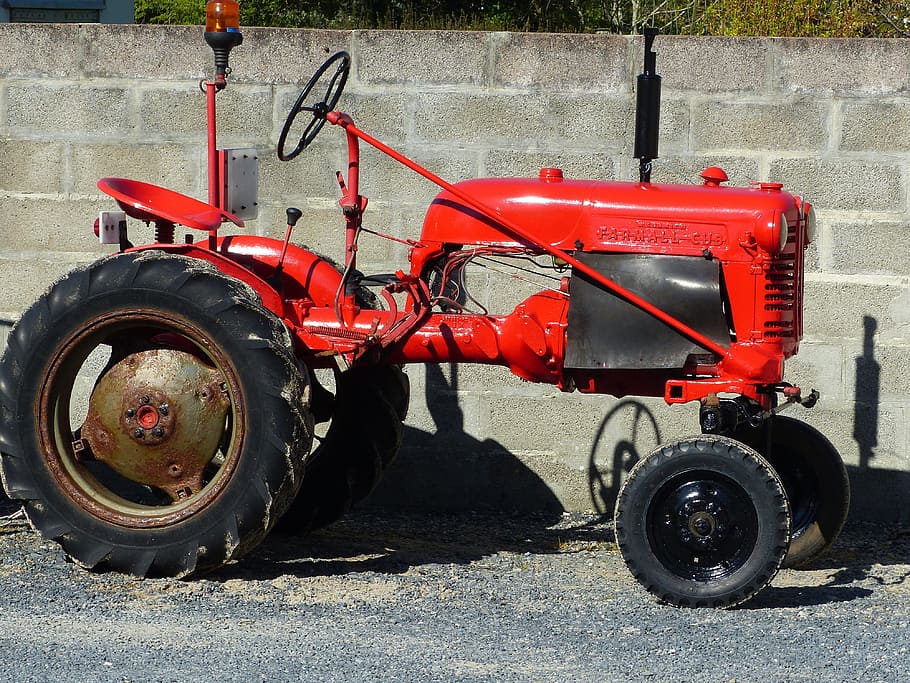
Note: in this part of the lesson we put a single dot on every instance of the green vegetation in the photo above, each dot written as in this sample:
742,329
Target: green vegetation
822,18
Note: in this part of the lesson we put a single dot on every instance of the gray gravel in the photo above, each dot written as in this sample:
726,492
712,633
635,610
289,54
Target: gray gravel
429,598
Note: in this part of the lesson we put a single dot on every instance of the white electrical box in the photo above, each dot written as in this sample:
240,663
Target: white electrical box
111,225
240,182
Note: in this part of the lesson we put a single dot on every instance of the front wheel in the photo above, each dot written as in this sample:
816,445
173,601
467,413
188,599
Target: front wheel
703,522
154,421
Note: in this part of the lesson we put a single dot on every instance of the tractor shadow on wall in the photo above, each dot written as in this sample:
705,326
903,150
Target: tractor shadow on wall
450,471
872,553
627,433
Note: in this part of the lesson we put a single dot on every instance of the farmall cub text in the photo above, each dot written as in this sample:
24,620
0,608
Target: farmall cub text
158,406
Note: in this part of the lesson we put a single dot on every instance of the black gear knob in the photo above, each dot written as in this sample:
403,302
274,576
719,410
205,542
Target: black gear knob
294,215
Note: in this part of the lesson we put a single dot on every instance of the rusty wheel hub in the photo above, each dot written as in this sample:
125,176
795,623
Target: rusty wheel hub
157,418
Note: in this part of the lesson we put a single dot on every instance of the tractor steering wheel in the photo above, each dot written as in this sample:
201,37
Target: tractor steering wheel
318,109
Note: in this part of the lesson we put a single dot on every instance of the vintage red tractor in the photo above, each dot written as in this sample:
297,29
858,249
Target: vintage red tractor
157,407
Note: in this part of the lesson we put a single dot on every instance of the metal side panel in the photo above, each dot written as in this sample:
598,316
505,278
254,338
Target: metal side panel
605,332
240,178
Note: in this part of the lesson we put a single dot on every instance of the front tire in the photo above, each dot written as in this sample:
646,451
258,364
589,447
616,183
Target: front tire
703,522
153,419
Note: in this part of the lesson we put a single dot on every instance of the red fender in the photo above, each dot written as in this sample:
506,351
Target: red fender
252,260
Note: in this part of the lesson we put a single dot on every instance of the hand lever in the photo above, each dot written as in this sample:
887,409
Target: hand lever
294,215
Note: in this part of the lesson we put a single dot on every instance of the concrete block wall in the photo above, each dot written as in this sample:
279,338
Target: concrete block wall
829,119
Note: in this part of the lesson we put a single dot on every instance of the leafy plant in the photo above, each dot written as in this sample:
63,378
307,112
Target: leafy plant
822,18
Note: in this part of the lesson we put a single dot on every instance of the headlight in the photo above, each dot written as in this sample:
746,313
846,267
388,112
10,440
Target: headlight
811,224
784,230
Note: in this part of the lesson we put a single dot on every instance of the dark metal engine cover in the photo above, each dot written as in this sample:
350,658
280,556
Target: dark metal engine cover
605,332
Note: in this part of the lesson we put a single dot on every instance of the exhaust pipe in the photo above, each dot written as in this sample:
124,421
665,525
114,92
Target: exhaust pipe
647,110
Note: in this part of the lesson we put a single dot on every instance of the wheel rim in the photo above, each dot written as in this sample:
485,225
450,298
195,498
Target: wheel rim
801,491
702,526
164,378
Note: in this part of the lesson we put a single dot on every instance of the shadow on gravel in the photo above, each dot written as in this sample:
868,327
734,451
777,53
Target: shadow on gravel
868,553
396,544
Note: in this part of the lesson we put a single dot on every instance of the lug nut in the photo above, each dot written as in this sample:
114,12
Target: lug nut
164,408
145,400
139,433
130,412
158,432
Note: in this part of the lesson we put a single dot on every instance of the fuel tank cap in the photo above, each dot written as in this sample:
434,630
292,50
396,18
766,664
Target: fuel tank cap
714,176
551,175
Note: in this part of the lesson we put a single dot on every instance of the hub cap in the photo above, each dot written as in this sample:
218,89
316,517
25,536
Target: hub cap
157,417
702,525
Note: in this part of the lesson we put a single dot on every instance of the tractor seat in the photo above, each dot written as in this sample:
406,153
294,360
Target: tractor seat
154,204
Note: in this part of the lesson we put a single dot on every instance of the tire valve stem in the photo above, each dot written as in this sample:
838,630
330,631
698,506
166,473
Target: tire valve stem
81,450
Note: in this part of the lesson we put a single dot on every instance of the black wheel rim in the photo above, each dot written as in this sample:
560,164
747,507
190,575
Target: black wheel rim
801,488
702,525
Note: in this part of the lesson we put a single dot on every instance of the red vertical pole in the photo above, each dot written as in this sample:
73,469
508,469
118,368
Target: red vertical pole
214,177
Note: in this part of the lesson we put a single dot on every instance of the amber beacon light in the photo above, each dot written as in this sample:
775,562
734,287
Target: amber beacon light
222,32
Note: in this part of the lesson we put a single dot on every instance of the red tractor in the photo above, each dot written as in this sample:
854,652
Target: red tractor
158,407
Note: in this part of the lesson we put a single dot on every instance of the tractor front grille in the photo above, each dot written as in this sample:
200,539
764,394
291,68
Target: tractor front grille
783,295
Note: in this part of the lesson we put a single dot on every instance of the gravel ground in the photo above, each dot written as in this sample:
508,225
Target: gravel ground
430,598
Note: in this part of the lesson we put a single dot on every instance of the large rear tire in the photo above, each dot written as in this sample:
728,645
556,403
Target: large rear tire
703,522
367,413
154,421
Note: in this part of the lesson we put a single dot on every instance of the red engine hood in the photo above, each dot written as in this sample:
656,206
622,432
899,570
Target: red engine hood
608,216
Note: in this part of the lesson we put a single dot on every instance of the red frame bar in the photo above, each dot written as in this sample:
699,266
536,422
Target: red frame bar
345,121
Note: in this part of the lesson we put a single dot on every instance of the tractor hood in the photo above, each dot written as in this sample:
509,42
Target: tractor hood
616,216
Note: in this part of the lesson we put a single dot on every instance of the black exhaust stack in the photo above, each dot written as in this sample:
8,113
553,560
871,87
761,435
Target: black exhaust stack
647,110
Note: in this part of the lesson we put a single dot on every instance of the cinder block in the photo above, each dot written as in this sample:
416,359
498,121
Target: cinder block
171,165
551,422
175,112
467,474
32,166
686,169
67,111
882,126
421,58
517,163
309,175
572,120
675,127
24,279
383,115
797,125
384,179
819,366
865,247
36,50
497,379
709,64
178,112
136,51
837,309
846,184
892,363
50,225
285,56
560,62
845,67
863,439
